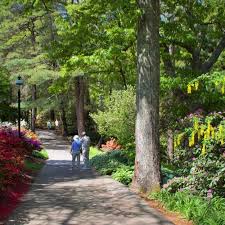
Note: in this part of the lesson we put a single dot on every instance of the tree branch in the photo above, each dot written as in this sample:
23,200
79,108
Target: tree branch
214,56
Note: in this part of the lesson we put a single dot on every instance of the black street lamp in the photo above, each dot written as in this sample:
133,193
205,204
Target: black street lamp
19,82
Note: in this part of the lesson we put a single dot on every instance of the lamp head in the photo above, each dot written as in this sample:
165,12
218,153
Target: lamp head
19,81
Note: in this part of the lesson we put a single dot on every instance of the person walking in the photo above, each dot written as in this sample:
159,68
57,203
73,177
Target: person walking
85,141
56,125
49,126
75,151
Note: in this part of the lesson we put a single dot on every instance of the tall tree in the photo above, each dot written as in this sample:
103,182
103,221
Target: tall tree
195,31
147,163
79,95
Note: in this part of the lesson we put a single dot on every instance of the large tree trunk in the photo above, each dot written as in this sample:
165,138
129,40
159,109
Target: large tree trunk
63,121
34,110
52,115
147,162
79,95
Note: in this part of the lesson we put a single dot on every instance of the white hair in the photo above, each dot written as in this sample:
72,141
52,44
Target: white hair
75,137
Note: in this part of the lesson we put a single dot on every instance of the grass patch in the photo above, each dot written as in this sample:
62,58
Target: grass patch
40,154
200,210
31,165
94,151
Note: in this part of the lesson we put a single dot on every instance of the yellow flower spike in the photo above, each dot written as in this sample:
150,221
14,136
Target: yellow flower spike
189,89
212,132
190,142
193,137
196,124
199,134
208,125
205,136
220,130
223,89
179,138
208,130
175,143
203,149
202,130
196,85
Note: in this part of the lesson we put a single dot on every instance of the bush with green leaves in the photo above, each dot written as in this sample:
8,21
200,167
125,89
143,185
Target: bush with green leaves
206,173
124,174
118,117
120,164
109,162
201,211
200,154
40,154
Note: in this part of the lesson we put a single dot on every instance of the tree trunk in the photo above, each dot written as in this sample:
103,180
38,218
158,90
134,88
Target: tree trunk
79,95
147,162
170,144
34,110
168,62
52,115
63,121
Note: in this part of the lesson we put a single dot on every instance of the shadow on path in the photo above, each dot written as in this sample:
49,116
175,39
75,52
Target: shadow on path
62,195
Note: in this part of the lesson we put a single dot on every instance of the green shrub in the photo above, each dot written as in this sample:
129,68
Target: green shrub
206,172
124,174
120,164
202,211
40,154
105,163
118,118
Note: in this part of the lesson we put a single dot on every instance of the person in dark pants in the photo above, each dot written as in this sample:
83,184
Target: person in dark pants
75,151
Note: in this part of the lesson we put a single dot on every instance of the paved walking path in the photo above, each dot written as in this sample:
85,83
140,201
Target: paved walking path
61,195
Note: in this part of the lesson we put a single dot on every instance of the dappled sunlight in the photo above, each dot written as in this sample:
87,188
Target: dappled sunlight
65,195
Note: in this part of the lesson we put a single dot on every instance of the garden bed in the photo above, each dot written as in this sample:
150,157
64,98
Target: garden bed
12,196
20,160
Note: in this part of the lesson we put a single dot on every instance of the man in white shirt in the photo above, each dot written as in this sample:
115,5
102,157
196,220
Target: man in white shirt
85,141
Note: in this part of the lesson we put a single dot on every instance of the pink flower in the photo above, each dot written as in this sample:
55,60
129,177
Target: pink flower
210,193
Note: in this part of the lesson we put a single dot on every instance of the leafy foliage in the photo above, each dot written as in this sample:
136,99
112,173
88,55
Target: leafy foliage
199,155
118,163
42,154
117,118
124,174
197,209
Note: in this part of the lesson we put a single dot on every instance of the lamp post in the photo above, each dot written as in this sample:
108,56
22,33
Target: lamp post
19,82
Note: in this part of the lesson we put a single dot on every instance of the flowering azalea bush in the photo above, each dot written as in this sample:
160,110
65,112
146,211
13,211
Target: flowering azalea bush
13,150
112,144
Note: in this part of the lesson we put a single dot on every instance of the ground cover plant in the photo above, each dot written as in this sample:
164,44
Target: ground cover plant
202,211
120,164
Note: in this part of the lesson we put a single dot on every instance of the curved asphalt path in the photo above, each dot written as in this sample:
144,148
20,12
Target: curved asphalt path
61,195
